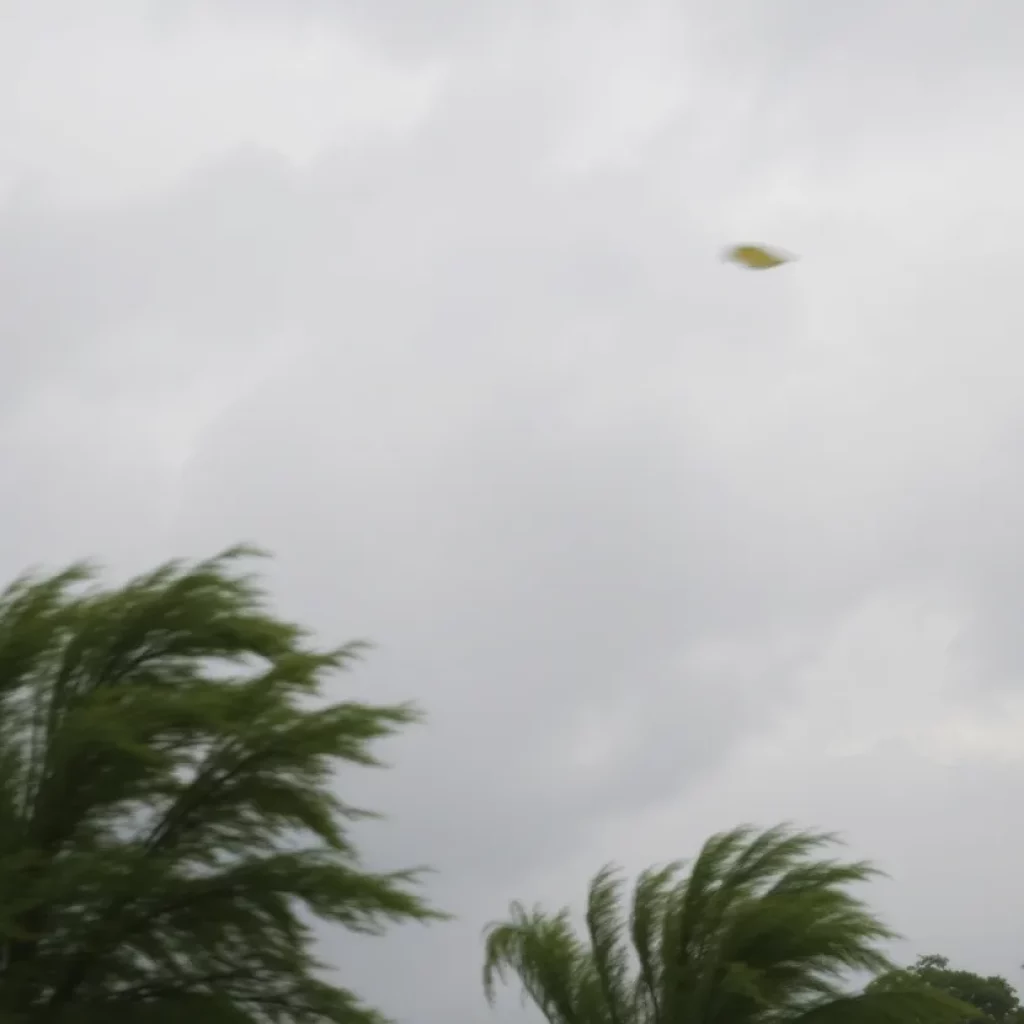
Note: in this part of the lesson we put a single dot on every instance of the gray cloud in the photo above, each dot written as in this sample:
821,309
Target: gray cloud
605,504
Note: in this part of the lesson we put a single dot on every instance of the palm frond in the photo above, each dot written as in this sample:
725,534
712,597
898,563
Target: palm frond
610,955
762,930
652,898
546,957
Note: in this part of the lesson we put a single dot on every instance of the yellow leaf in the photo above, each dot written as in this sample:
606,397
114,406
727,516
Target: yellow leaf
756,257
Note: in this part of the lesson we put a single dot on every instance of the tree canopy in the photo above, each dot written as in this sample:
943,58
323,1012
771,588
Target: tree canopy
169,829
171,833
992,999
759,931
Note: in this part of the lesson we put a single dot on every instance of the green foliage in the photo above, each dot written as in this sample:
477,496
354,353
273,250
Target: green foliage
988,999
760,931
168,826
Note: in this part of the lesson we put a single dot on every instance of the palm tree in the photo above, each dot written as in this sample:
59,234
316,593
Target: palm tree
169,825
758,932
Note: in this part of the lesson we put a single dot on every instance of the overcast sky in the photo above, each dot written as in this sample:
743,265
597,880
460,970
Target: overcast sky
426,298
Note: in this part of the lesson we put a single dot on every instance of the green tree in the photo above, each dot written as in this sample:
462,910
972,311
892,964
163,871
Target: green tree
993,999
759,931
169,831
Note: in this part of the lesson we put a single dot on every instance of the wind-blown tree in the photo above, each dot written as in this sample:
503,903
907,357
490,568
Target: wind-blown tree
169,827
760,931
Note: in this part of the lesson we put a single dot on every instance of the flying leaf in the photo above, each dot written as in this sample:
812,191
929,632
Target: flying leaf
757,257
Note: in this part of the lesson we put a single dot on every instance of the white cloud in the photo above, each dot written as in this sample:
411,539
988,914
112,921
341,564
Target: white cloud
117,103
